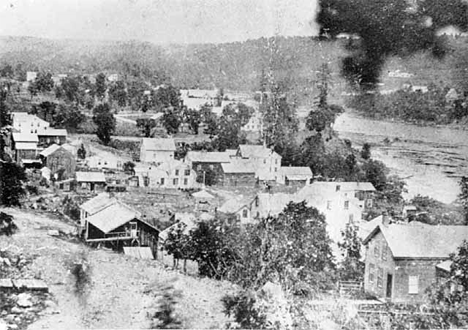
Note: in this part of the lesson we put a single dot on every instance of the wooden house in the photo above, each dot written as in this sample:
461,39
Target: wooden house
24,146
239,172
157,150
118,225
295,176
402,261
60,161
204,160
92,181
52,135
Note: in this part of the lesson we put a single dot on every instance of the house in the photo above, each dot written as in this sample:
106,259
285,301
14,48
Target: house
295,176
204,160
105,161
93,181
402,261
239,172
240,207
264,204
172,174
255,123
118,225
157,150
203,201
95,205
266,161
31,75
24,147
23,122
362,191
52,135
60,161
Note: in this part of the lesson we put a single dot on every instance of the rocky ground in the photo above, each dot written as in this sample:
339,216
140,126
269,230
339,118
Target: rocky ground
111,291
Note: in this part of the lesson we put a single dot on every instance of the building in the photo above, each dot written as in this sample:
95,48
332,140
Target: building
402,261
118,225
204,160
239,172
95,205
264,205
295,176
52,135
26,123
24,147
107,161
31,75
255,123
157,150
172,174
92,181
240,207
60,161
266,161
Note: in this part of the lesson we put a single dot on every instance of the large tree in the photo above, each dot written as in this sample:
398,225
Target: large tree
105,121
100,86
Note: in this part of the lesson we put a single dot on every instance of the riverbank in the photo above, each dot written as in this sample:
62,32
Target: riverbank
430,159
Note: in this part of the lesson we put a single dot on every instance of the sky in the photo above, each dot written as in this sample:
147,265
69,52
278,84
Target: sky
158,21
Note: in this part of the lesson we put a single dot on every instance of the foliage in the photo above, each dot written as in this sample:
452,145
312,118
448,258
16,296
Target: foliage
165,317
105,122
43,83
117,93
100,85
245,311
376,173
193,118
69,117
7,225
12,177
71,208
129,167
351,268
146,125
366,151
171,121
81,152
81,271
463,196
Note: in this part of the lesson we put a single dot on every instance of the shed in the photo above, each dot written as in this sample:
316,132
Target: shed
91,180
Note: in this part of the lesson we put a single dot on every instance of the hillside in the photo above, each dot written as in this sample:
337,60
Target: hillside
122,291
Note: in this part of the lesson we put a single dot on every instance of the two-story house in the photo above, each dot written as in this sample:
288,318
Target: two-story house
157,150
402,261
266,161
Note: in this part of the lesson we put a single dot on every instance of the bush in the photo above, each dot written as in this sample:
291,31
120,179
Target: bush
7,226
245,310
165,316
81,271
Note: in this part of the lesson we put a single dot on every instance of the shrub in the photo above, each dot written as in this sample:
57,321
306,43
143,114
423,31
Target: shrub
245,310
7,226
81,271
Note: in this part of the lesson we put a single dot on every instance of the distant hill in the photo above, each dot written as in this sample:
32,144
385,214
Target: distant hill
236,66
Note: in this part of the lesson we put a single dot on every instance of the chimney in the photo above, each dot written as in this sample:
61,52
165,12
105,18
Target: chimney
385,219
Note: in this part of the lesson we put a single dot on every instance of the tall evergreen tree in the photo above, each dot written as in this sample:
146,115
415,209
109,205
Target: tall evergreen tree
105,122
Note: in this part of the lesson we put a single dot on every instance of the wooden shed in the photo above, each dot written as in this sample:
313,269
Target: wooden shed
118,225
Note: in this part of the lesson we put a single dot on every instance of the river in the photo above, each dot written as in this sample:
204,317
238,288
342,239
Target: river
430,159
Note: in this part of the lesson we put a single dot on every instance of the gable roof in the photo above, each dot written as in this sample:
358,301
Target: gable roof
158,144
53,132
421,241
234,205
203,194
25,137
98,203
90,177
296,172
50,150
208,157
113,217
239,166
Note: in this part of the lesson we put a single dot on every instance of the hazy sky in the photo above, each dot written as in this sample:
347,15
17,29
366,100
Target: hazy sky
159,21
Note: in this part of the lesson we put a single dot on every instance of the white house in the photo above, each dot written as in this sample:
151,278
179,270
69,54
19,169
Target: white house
173,174
157,150
295,175
266,161
26,123
255,123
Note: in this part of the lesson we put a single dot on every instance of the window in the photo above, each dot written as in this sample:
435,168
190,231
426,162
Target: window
245,213
351,218
176,172
198,167
162,181
376,250
276,161
187,172
384,252
185,182
175,181
413,284
276,169
338,187
346,205
380,277
371,273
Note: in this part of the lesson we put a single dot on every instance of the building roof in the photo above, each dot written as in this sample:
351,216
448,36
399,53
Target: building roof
98,203
421,241
26,146
90,177
208,157
158,144
296,172
25,137
50,150
113,217
445,265
239,166
254,151
274,204
327,186
235,205
203,194
53,132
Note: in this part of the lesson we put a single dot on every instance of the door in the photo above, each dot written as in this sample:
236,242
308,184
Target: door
389,285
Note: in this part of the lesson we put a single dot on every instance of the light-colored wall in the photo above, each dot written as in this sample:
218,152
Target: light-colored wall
154,156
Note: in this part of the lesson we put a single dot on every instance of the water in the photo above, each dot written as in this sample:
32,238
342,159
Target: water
430,159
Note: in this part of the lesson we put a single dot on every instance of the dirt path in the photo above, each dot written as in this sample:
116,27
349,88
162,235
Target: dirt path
118,296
